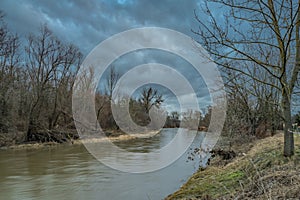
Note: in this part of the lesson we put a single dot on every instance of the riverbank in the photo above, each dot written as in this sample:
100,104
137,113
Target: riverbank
112,135
119,137
260,173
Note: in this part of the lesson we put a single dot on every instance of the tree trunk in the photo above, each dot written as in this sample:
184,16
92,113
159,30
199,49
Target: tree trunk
288,134
30,131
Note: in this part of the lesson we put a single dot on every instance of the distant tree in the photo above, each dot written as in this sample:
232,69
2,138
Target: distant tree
103,101
137,112
173,120
191,119
175,115
111,81
150,97
205,120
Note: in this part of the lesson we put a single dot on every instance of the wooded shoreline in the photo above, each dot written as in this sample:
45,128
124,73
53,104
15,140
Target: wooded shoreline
113,137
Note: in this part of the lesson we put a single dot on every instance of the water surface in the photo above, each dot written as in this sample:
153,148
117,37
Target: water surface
71,172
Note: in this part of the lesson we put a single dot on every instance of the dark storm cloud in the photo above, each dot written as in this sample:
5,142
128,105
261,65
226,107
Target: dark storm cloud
86,23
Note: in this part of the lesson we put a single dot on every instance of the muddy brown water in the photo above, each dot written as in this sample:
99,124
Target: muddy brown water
71,172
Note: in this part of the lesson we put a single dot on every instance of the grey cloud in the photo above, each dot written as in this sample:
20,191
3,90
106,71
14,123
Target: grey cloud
86,23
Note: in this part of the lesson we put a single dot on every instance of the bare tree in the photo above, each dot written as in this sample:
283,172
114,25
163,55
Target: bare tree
9,73
111,81
51,66
258,34
103,102
150,97
253,106
62,83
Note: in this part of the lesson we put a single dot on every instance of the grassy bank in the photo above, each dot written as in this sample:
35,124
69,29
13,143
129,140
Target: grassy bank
260,173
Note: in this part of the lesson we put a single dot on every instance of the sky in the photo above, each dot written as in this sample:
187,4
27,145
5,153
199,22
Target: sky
88,23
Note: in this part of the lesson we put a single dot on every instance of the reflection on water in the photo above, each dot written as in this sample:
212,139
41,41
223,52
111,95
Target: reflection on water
70,172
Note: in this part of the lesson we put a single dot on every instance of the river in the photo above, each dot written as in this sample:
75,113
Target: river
71,172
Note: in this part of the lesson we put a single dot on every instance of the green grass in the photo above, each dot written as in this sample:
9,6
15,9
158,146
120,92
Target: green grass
211,182
254,172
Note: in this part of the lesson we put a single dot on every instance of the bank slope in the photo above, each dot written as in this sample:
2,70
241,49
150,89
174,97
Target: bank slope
261,173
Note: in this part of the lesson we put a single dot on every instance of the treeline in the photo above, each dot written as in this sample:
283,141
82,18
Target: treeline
36,80
139,106
37,74
189,119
